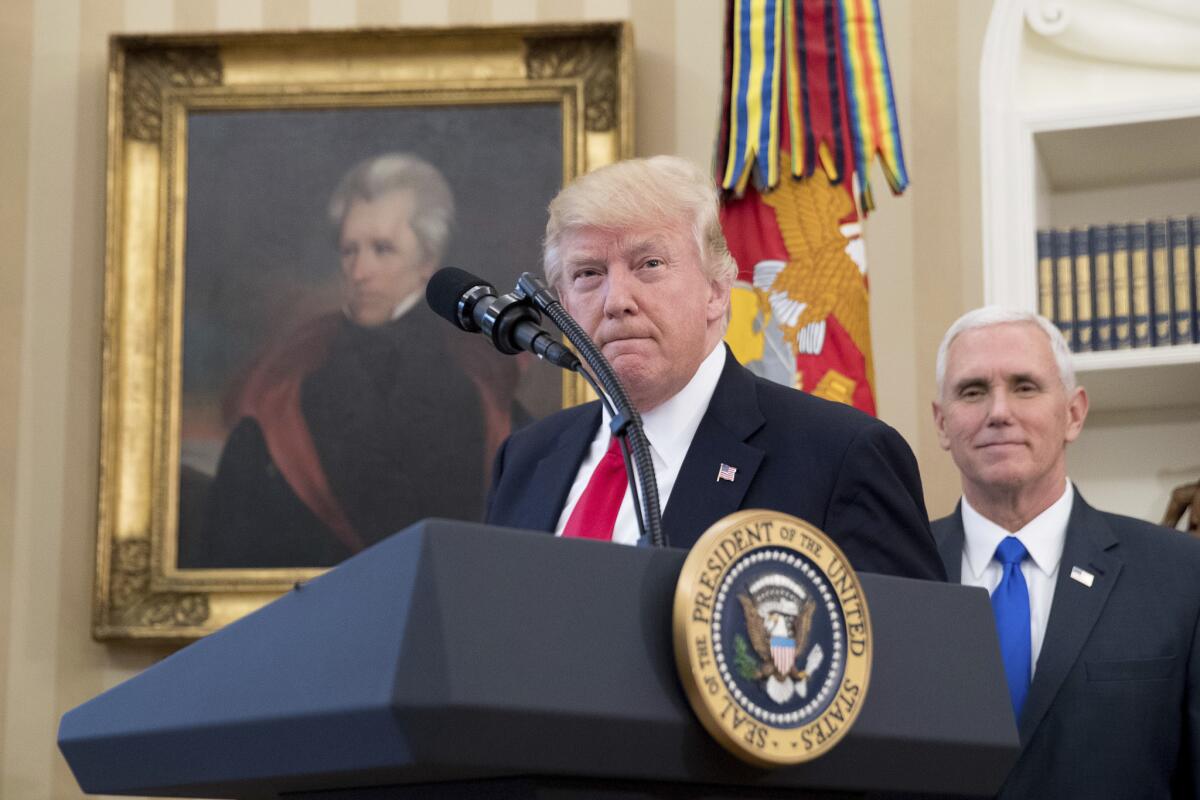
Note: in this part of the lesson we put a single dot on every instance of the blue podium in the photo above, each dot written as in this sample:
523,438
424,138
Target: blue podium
459,660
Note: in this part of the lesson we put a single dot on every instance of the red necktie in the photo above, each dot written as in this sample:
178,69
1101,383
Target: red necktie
595,514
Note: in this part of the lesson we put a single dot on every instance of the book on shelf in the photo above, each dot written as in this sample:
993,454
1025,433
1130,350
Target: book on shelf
1102,287
1045,275
1082,262
1064,286
1122,285
1160,283
1118,242
1194,238
1182,303
1139,284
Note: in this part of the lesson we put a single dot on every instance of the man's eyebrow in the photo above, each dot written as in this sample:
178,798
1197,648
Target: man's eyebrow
630,248
585,259
639,246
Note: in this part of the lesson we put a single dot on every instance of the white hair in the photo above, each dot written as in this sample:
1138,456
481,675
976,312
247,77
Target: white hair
433,211
636,193
986,317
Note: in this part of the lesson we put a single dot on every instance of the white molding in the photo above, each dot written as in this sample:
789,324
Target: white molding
1102,115
1116,31
1147,379
1008,153
1009,122
1176,355
1006,163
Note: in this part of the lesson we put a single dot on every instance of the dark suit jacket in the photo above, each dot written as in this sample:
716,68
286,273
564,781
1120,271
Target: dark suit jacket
398,431
845,472
1114,707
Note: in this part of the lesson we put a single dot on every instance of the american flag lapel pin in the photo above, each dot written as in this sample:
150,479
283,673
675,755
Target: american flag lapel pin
1082,576
726,473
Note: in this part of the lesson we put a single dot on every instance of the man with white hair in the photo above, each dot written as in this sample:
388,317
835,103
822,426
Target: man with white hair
636,253
360,422
1098,615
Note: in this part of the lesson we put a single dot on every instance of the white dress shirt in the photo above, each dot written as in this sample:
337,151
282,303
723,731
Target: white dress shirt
1043,537
669,429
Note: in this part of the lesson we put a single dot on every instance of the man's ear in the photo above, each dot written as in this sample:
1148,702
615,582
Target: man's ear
939,424
1077,408
718,300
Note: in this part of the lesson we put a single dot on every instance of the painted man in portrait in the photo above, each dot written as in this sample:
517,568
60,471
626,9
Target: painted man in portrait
361,421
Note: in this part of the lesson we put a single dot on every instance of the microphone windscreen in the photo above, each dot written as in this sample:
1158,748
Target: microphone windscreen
446,288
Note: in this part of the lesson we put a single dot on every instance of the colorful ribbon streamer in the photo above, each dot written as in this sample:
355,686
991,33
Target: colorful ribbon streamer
826,62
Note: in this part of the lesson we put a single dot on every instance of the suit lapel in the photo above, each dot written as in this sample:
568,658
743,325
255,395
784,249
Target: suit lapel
949,535
1090,544
698,498
556,470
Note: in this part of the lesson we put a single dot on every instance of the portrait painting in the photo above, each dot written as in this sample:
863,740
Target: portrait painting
279,395
396,414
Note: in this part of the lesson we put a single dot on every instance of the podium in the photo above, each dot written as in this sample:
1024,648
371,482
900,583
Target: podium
460,660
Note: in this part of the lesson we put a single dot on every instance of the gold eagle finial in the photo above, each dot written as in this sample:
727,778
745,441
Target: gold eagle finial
819,278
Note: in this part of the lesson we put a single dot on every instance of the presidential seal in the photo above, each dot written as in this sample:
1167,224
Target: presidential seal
772,638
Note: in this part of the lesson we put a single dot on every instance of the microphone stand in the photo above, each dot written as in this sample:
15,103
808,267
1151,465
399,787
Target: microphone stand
626,422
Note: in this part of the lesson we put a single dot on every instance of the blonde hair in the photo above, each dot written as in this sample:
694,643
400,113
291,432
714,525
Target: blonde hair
662,191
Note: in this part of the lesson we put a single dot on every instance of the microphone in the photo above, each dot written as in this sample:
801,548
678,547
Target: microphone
509,321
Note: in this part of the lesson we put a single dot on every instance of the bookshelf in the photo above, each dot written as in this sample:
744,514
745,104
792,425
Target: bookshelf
1072,136
1089,115
1122,164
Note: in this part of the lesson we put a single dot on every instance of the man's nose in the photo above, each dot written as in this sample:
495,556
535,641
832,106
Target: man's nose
359,266
1000,408
620,293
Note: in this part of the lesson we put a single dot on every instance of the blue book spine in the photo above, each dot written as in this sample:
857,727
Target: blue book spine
1194,242
1102,284
1081,259
1182,310
1064,286
1045,275
1160,284
1139,284
1118,244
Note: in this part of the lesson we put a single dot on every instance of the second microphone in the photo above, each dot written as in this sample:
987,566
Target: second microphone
509,321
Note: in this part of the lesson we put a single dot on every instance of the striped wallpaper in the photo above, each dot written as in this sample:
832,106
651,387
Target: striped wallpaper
52,146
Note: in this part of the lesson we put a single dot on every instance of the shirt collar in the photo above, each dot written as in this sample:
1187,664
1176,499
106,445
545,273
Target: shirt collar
1043,536
670,426
402,308
405,305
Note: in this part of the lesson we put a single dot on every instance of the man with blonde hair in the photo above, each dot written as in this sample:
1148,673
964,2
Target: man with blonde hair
1098,615
636,253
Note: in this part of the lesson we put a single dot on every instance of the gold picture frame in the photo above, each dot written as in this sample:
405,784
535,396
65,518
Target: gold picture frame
162,92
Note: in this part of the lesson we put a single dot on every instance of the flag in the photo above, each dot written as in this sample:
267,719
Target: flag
807,104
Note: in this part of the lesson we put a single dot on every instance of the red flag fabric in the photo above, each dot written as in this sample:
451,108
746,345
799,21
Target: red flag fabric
801,314
800,308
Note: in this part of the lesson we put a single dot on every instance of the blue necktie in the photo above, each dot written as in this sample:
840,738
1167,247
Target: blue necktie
1010,604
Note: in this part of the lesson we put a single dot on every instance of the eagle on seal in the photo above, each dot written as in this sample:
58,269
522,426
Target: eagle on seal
779,624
